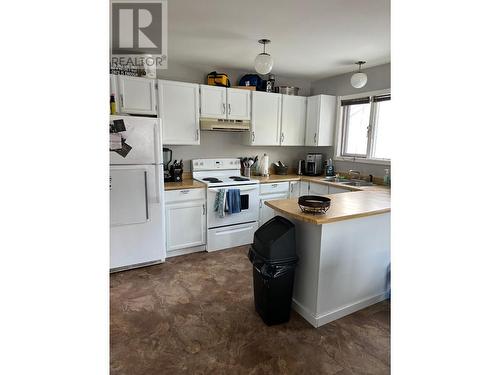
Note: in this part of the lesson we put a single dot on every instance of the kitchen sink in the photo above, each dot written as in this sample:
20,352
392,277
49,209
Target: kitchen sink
339,180
345,181
357,183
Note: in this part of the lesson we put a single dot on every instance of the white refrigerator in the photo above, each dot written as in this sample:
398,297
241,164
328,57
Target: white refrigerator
137,235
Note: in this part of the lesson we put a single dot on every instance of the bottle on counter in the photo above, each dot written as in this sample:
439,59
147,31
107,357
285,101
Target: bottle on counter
387,177
264,171
112,104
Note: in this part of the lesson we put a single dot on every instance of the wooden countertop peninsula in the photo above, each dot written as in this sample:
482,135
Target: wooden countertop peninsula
344,206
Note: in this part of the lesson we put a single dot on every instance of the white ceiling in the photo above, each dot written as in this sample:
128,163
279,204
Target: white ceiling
310,38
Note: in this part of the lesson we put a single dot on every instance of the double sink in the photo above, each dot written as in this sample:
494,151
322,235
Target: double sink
349,182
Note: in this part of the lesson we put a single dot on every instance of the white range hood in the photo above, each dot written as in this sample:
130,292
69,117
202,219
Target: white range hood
224,125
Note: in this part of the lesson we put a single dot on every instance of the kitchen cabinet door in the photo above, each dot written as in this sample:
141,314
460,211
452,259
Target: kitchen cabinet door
266,213
212,102
137,95
304,188
337,190
179,112
320,120
293,120
185,224
317,189
294,189
238,104
266,119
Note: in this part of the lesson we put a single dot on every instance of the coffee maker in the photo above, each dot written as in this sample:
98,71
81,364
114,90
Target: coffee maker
314,164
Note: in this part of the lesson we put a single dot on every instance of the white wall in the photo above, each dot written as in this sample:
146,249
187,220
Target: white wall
198,74
215,144
379,78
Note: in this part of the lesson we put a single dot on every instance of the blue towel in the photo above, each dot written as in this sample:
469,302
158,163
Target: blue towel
233,201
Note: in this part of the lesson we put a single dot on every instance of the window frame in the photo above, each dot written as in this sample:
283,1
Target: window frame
342,131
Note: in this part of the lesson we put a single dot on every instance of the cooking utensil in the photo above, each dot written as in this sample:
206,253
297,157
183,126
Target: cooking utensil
288,90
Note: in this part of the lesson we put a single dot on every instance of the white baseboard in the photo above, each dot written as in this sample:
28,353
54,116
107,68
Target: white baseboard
188,250
317,320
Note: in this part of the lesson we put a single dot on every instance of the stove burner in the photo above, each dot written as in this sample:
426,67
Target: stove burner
212,179
239,178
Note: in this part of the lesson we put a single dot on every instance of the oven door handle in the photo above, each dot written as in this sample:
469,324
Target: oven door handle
249,188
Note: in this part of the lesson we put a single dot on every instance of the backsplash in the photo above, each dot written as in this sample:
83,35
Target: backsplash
215,144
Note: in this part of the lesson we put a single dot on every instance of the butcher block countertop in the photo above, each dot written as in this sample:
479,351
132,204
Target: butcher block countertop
187,183
317,179
344,206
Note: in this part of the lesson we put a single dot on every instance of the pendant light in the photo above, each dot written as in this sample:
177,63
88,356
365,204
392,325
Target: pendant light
263,61
359,79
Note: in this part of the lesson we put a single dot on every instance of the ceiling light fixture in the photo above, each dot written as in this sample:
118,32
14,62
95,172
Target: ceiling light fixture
359,79
263,61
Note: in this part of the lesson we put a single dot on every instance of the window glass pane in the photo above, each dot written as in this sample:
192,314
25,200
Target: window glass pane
357,124
382,143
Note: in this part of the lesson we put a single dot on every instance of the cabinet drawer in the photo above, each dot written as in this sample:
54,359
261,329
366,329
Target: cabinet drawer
276,187
173,196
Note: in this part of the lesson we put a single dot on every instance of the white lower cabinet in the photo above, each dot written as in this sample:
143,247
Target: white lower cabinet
185,221
317,189
271,191
294,191
304,188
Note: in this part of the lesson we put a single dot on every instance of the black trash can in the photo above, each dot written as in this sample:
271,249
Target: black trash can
274,259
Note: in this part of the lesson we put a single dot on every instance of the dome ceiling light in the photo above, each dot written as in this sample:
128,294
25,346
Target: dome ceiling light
263,61
359,79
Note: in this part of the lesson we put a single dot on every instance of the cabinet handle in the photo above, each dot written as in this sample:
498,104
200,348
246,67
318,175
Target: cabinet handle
291,188
274,185
315,138
121,100
204,209
197,134
185,191
146,193
223,108
253,136
282,137
229,108
260,204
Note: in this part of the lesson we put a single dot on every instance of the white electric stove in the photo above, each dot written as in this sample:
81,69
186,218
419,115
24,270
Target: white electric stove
228,230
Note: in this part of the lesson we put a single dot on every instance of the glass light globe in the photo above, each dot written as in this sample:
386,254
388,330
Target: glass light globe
263,63
358,80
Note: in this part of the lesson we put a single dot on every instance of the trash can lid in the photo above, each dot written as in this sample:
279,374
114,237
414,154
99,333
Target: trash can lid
275,240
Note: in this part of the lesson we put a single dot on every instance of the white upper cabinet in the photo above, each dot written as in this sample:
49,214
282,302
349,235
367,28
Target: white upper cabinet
238,104
321,110
224,103
179,112
213,101
136,95
293,120
266,119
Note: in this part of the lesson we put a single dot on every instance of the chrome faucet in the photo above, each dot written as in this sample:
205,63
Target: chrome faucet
352,171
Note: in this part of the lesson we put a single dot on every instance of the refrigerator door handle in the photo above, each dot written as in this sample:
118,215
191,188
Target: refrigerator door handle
146,194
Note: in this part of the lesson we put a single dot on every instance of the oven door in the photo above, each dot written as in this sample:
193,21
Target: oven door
249,206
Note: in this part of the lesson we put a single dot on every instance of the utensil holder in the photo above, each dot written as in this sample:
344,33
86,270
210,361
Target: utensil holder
246,172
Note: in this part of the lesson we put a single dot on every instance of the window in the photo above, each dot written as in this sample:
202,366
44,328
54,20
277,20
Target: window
366,127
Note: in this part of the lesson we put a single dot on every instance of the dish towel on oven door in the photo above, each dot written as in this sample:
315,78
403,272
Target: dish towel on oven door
220,202
233,201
